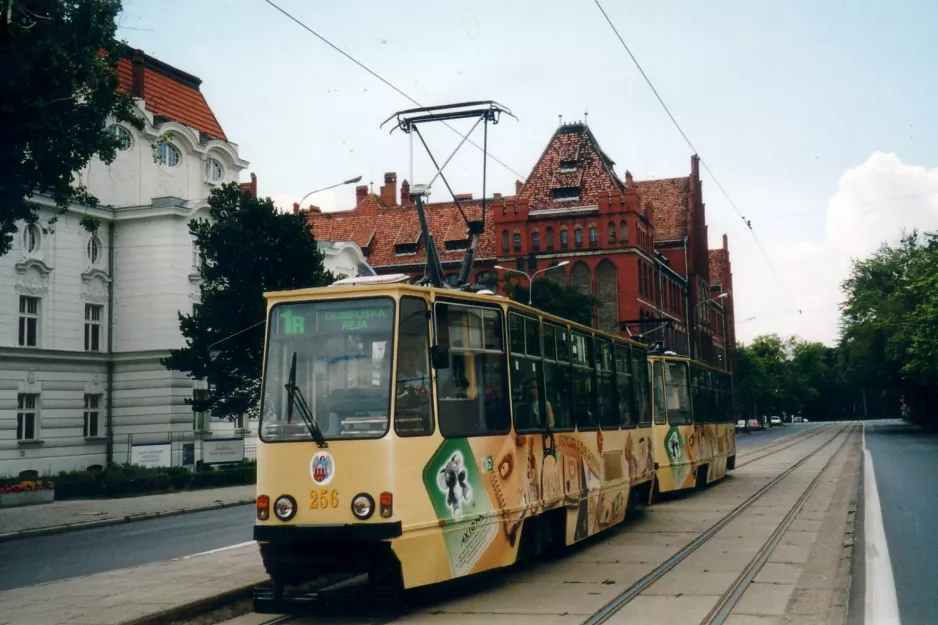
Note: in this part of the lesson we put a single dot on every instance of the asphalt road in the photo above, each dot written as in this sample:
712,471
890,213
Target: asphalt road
903,459
31,561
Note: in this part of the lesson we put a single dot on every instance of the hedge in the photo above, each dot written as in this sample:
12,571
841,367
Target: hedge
129,480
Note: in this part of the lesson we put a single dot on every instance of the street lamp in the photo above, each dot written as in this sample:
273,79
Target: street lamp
530,277
333,186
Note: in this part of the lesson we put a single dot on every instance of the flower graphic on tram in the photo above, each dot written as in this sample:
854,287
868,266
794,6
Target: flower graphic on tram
451,477
674,446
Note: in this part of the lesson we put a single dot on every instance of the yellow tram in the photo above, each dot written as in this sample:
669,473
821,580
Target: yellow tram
694,430
421,434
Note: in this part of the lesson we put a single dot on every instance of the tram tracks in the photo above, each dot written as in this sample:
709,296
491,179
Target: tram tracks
724,607
792,440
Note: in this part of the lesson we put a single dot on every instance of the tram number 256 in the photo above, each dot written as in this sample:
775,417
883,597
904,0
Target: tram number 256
323,498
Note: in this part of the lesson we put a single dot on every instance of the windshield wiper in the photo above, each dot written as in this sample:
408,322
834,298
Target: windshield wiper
295,399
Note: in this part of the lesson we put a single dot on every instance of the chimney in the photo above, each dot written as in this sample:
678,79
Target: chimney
250,187
389,190
694,166
518,185
726,245
361,192
296,208
496,196
138,61
313,209
628,179
463,197
650,213
405,193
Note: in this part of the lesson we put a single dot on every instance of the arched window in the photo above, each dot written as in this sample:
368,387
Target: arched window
168,154
550,238
122,135
564,239
594,240
612,233
517,241
535,240
578,237
504,240
32,238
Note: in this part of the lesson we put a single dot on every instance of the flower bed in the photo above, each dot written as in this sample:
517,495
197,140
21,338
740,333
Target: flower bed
26,494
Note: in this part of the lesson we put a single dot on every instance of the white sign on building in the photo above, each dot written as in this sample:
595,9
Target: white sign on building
218,451
151,454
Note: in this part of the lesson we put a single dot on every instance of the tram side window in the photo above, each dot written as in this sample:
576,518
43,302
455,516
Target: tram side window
698,395
678,395
557,383
642,386
527,388
660,409
412,416
584,389
472,391
625,391
608,401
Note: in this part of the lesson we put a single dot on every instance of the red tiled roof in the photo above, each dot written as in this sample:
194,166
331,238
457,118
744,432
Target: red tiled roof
669,198
166,93
593,176
378,228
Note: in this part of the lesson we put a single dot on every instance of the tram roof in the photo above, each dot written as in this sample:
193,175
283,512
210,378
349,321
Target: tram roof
364,290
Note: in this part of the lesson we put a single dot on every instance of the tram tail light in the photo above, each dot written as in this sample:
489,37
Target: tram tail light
263,507
387,505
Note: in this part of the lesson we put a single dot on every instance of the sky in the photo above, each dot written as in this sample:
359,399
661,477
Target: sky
817,118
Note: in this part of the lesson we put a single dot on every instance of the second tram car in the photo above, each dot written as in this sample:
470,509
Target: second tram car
694,431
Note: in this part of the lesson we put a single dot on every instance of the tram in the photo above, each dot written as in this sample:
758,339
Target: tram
694,428
420,434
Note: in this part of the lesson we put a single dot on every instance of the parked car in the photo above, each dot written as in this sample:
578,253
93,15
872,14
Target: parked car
742,426
798,419
775,420
755,424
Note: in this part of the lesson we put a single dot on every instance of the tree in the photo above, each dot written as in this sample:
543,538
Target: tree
57,89
556,299
246,249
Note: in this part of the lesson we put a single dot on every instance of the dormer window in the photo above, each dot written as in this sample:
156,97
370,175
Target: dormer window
405,249
566,194
213,170
168,155
455,246
567,166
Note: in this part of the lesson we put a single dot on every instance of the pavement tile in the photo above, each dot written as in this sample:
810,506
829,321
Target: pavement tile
798,539
803,525
811,601
462,618
693,583
764,599
752,619
554,598
620,574
778,573
793,554
664,610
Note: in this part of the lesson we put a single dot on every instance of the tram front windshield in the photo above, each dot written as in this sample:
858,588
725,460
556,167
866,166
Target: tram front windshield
343,369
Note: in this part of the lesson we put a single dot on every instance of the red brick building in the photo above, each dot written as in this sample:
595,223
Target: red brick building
640,247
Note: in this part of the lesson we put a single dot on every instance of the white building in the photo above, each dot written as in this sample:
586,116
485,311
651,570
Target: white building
85,319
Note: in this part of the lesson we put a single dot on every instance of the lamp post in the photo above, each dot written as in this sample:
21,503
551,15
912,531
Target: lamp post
333,186
530,277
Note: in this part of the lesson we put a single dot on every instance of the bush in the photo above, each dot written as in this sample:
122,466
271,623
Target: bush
128,480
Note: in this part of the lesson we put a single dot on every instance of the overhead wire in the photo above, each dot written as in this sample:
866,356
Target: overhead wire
385,81
702,161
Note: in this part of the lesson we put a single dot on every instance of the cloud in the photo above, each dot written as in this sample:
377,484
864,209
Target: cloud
325,200
874,203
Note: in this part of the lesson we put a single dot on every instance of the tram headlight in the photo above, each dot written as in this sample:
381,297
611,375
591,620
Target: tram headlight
363,506
285,507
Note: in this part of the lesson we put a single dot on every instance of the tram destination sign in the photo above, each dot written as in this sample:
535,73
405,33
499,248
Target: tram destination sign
313,319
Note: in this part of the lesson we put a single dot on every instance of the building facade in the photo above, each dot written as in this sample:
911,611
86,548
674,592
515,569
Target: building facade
85,318
640,247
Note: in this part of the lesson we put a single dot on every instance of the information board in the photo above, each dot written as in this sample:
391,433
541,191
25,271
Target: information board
221,450
151,454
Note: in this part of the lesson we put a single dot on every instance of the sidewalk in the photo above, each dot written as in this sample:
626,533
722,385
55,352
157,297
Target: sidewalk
143,595
64,516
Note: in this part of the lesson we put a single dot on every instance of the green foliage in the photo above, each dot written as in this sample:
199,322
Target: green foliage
556,299
890,323
247,249
129,480
56,92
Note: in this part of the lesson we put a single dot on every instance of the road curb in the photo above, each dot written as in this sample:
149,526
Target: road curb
197,607
143,516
